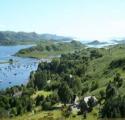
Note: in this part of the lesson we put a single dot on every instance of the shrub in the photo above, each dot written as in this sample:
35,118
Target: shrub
117,63
46,105
94,85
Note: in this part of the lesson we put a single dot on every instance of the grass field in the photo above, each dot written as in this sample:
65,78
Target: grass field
52,115
44,93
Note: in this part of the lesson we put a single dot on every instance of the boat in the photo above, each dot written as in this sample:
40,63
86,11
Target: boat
9,82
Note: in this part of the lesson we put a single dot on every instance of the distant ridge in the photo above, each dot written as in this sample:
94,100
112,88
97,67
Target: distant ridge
96,42
10,35
119,41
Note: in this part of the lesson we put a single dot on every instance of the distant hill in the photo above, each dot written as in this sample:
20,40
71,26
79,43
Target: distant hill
7,37
119,41
96,42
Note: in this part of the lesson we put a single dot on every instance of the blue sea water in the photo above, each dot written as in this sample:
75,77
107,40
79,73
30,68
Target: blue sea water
18,72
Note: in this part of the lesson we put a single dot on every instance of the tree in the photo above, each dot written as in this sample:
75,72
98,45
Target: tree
118,80
66,111
55,64
94,85
29,105
46,105
95,54
19,109
3,113
83,107
114,105
91,103
40,79
65,93
102,95
48,48
39,100
110,90
13,111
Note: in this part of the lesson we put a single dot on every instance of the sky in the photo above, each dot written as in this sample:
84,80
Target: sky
84,19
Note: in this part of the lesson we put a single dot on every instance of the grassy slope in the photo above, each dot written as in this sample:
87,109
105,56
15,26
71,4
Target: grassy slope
56,114
49,115
102,64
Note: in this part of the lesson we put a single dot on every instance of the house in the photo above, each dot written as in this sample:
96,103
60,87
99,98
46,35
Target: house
86,99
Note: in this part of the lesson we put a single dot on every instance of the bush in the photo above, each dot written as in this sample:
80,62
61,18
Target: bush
53,98
3,113
102,94
95,54
13,112
66,111
46,105
85,89
39,100
94,85
117,63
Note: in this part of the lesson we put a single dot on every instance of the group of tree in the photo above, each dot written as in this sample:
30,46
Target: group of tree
65,75
114,105
15,101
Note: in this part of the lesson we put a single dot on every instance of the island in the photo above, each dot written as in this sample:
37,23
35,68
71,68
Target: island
48,49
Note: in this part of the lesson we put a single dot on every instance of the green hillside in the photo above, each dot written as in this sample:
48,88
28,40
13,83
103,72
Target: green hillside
49,94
